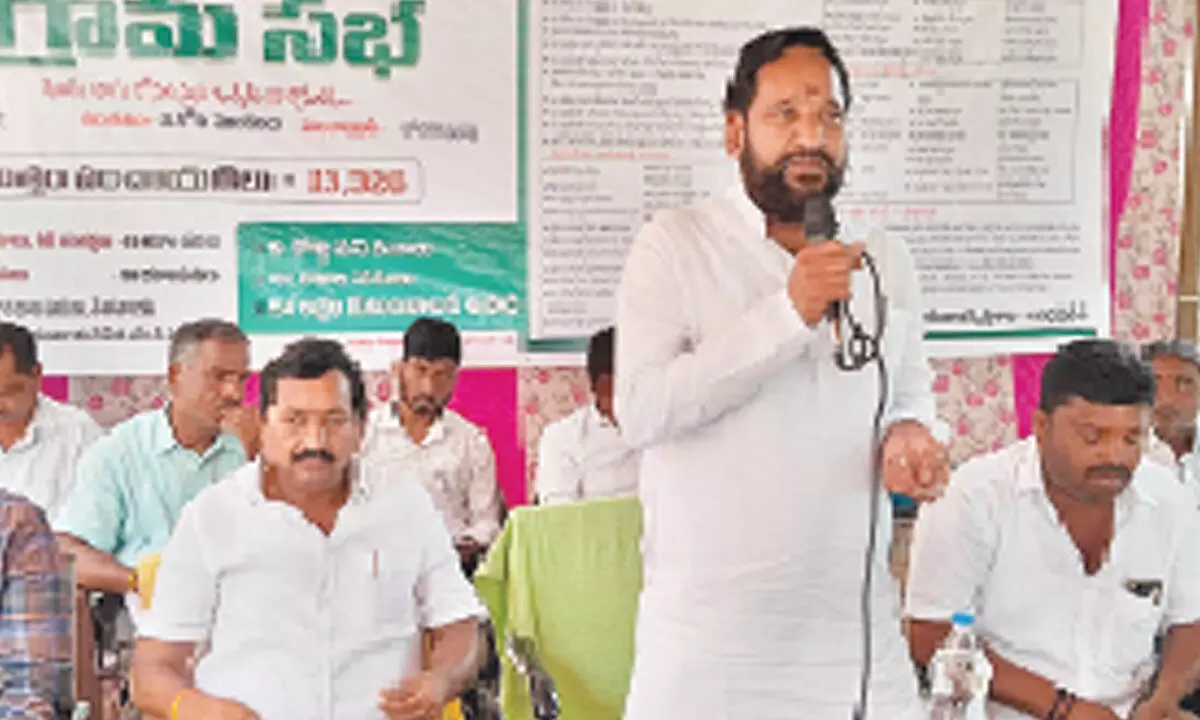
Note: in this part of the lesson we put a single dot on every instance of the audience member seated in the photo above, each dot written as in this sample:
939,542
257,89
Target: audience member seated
1176,366
1071,552
582,456
40,439
35,616
243,423
132,483
419,434
316,584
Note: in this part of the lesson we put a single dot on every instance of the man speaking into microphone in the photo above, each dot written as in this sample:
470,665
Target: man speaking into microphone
759,449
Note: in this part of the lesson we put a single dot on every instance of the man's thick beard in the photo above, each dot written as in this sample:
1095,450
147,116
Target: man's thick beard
769,190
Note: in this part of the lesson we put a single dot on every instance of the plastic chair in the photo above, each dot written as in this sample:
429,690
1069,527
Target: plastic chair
79,705
561,584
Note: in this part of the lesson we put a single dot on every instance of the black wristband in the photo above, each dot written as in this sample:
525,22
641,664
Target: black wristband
1064,702
1068,707
1060,699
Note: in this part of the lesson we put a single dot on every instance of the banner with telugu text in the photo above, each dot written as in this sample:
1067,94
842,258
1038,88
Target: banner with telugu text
301,167
343,166
975,134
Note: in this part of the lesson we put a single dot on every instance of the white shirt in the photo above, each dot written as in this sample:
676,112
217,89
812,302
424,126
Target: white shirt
305,626
583,457
994,544
454,462
41,465
755,475
1186,468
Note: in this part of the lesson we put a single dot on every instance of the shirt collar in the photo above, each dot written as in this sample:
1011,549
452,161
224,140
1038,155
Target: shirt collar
746,208
1030,480
436,434
437,431
771,253
37,422
163,440
595,416
162,436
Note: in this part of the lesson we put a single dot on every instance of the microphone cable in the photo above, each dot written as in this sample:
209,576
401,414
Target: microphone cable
859,350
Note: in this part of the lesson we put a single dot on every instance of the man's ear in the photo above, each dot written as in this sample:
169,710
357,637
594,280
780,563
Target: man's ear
173,375
735,133
1041,424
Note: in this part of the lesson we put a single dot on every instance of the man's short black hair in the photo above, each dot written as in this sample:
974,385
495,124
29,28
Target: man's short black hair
17,339
1182,349
309,359
600,354
433,339
1104,372
769,47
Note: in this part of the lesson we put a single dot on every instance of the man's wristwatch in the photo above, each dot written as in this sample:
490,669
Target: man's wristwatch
133,581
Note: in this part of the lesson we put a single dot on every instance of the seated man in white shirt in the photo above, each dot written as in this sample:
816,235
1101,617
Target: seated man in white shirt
583,456
1072,553
420,435
40,439
1176,366
317,585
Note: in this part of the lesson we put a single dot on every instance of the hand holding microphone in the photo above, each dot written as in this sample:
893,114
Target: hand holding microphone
819,284
820,277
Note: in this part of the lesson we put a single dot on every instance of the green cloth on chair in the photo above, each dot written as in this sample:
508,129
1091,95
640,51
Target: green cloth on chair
568,578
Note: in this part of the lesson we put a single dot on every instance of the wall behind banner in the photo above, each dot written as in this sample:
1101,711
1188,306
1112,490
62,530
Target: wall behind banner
986,400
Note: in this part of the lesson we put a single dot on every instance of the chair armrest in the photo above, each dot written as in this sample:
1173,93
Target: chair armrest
542,691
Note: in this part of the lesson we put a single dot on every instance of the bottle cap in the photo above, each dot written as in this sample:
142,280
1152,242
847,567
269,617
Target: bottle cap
963,619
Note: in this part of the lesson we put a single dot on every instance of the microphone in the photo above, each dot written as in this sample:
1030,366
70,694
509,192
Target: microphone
821,225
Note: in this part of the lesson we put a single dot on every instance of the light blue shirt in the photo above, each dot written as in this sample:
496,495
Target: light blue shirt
131,485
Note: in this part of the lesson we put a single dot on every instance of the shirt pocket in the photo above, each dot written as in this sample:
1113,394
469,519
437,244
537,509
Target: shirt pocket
1130,630
393,581
441,480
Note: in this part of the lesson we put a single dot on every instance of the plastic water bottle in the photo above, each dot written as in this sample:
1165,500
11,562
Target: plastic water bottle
960,674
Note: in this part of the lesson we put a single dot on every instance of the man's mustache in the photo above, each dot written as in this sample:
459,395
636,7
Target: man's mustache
313,455
827,163
1100,471
424,405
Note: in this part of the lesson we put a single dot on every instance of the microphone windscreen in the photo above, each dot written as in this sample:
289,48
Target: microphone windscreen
820,220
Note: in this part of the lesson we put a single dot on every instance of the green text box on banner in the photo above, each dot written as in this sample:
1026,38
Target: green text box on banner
301,278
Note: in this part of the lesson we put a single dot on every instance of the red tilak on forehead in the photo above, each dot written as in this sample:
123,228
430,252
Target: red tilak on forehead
835,89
